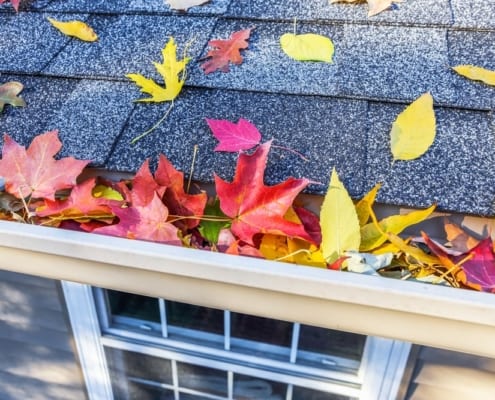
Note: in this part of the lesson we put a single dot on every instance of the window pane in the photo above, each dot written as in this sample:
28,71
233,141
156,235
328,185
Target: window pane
133,306
207,380
301,393
260,329
135,365
194,317
251,388
139,391
331,342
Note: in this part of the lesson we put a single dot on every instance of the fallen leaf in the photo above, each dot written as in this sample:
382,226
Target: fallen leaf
339,221
476,73
412,251
184,5
307,47
364,205
413,132
77,29
227,51
234,137
34,172
254,207
480,268
373,237
209,227
374,6
15,3
172,72
9,95
458,238
365,263
238,249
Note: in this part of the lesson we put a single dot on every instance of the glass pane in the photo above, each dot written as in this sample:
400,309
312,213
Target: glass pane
331,342
203,379
251,388
301,393
133,306
194,317
135,365
260,329
139,391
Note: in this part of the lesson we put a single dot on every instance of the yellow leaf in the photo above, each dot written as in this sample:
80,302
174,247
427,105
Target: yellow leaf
76,29
339,221
307,47
372,237
363,206
273,247
476,73
413,132
305,253
105,192
412,251
172,71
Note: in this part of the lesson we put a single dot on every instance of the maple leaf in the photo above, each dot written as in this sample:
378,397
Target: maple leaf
9,95
143,222
144,186
225,51
15,3
81,205
254,207
172,72
184,5
175,198
34,172
234,137
480,268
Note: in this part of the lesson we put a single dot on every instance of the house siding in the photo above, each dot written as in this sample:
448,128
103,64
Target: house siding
441,374
37,357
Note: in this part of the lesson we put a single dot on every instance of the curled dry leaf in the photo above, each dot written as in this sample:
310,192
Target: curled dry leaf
9,94
77,29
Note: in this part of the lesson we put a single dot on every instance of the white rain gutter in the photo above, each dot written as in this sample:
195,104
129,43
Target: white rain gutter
437,316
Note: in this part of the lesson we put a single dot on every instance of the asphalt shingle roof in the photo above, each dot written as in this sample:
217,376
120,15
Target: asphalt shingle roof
336,114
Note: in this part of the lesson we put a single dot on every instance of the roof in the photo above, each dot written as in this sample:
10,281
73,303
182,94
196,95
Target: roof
337,114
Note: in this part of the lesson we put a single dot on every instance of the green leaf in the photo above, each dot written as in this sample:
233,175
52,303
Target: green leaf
413,132
307,47
372,237
339,221
210,230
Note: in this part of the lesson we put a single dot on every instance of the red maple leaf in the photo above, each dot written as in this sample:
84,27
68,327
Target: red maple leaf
143,222
480,268
144,186
34,172
225,51
80,205
15,3
234,137
254,207
175,198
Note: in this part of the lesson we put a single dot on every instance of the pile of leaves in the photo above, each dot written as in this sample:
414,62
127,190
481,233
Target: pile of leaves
245,217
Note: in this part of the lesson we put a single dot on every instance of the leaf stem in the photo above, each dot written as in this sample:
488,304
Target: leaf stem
133,141
291,151
195,152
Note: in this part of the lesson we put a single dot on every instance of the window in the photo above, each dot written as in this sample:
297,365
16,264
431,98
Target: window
160,349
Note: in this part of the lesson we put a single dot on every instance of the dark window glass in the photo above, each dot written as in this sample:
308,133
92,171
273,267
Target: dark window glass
139,391
134,306
261,329
194,317
203,379
331,342
251,388
300,393
137,365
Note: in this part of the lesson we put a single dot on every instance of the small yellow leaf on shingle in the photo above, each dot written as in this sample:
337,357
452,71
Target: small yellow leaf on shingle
307,47
77,29
476,73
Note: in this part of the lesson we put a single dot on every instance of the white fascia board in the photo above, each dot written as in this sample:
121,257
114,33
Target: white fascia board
427,314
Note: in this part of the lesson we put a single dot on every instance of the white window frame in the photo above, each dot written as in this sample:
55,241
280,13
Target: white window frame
380,374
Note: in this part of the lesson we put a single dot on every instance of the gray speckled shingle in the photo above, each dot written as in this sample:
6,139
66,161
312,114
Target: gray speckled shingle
314,126
28,42
92,117
456,172
475,48
212,7
128,44
383,62
474,13
44,98
101,6
418,12
266,67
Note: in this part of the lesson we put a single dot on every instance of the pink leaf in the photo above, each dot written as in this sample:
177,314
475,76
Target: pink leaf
480,269
234,137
